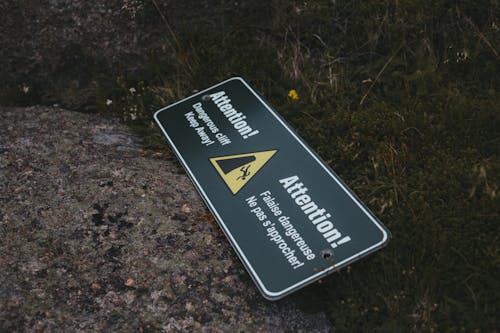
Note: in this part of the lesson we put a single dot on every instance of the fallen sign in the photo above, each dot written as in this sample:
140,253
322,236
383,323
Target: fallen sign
289,217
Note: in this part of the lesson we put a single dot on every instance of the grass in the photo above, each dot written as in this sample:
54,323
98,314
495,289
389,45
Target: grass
400,98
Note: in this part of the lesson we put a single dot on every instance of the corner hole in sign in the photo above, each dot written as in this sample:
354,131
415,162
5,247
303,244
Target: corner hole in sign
327,254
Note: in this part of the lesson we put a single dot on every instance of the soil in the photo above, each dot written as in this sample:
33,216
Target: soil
64,51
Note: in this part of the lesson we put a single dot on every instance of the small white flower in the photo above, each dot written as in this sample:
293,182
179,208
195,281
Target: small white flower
109,102
25,89
462,56
132,90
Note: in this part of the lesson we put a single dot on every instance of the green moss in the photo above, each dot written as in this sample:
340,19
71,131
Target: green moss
19,95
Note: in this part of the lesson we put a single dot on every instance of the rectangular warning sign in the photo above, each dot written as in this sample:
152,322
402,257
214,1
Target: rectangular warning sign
289,217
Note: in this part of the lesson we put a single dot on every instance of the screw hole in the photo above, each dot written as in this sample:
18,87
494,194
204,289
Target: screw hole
327,254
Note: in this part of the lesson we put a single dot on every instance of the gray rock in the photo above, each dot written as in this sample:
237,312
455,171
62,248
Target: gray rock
91,239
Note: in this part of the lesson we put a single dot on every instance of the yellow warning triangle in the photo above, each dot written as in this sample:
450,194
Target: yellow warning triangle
237,170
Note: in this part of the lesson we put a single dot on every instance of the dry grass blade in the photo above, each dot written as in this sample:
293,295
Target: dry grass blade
378,75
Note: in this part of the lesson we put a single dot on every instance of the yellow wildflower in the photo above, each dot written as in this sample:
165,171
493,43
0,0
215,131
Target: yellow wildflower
293,94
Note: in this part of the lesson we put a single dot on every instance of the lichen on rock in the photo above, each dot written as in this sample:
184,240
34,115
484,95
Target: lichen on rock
91,238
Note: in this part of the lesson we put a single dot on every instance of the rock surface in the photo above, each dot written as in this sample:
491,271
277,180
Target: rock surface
95,236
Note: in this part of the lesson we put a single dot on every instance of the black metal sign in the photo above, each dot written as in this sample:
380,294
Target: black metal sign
289,217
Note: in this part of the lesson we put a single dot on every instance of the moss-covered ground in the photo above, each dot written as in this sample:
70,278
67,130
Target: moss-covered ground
401,98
